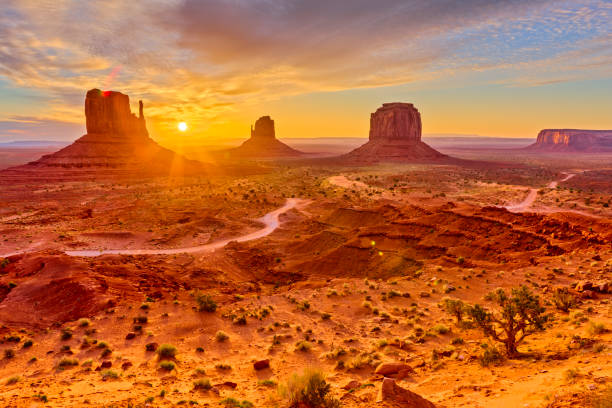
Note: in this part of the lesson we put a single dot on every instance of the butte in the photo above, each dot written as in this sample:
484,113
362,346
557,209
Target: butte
263,143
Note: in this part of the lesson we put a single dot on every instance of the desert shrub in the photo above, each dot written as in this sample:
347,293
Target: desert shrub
84,323
9,353
205,303
13,380
28,343
221,336
456,308
303,346
66,333
202,384
490,355
167,365
563,300
303,306
166,351
440,329
68,362
596,328
325,316
223,367
234,403
141,319
308,389
571,375
240,320
521,315
267,383
109,374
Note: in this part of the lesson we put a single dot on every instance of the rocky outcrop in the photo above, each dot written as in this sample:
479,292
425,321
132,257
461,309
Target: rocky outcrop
395,135
573,140
115,139
263,143
392,393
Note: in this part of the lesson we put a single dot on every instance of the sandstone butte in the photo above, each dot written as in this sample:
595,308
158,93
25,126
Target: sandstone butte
115,139
573,140
395,135
263,142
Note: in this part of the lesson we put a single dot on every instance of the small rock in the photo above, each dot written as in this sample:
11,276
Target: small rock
126,365
387,369
106,364
152,346
130,336
261,364
352,385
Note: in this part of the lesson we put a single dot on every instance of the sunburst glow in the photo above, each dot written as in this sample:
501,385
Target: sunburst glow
182,126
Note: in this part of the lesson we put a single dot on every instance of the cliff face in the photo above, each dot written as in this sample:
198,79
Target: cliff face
109,112
264,128
263,142
573,140
395,135
396,121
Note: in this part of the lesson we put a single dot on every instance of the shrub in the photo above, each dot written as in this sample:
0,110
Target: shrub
521,315
234,403
221,336
490,355
456,308
571,375
9,353
84,323
267,383
68,362
325,316
303,346
66,333
202,384
308,389
166,351
563,300
109,374
13,380
205,303
167,365
28,343
596,328
440,329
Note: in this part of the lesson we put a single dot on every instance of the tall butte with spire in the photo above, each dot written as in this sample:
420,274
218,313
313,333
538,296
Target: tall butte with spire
115,139
263,142
395,135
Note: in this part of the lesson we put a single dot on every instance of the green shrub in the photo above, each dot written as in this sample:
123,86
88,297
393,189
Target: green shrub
308,389
596,328
109,375
234,403
68,362
303,346
221,336
66,333
167,365
205,303
9,353
202,384
28,343
13,380
166,351
563,300
490,355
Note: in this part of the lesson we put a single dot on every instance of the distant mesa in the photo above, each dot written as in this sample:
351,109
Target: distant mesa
263,142
115,139
573,140
395,135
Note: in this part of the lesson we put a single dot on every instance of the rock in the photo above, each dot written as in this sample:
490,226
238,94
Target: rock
395,135
261,364
391,392
130,336
126,365
116,138
351,385
106,364
263,142
581,286
568,140
387,369
152,346
588,294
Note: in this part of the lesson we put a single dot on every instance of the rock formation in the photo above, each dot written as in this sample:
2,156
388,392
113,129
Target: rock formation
392,393
115,139
395,135
573,140
263,142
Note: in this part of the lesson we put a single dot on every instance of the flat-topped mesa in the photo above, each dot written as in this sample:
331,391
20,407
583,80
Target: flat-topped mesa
395,135
264,128
109,112
573,140
396,121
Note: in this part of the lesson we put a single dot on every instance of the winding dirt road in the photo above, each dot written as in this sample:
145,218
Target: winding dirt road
533,194
270,220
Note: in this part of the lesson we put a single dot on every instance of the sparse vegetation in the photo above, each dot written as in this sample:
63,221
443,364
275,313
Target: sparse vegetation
166,351
221,336
308,389
205,303
202,384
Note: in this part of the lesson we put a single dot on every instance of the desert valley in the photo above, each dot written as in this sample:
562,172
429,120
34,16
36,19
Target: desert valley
306,204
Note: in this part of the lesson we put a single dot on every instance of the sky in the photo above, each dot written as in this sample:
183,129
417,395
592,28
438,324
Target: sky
318,67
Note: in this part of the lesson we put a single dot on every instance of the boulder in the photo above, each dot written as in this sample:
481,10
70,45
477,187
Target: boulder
106,364
261,364
393,393
388,369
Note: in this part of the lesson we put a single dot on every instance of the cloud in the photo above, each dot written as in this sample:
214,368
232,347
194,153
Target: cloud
208,58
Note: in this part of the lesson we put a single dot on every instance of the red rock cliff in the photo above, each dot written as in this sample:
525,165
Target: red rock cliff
109,113
396,121
573,140
264,128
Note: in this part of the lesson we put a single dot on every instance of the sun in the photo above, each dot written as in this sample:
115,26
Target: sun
182,126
